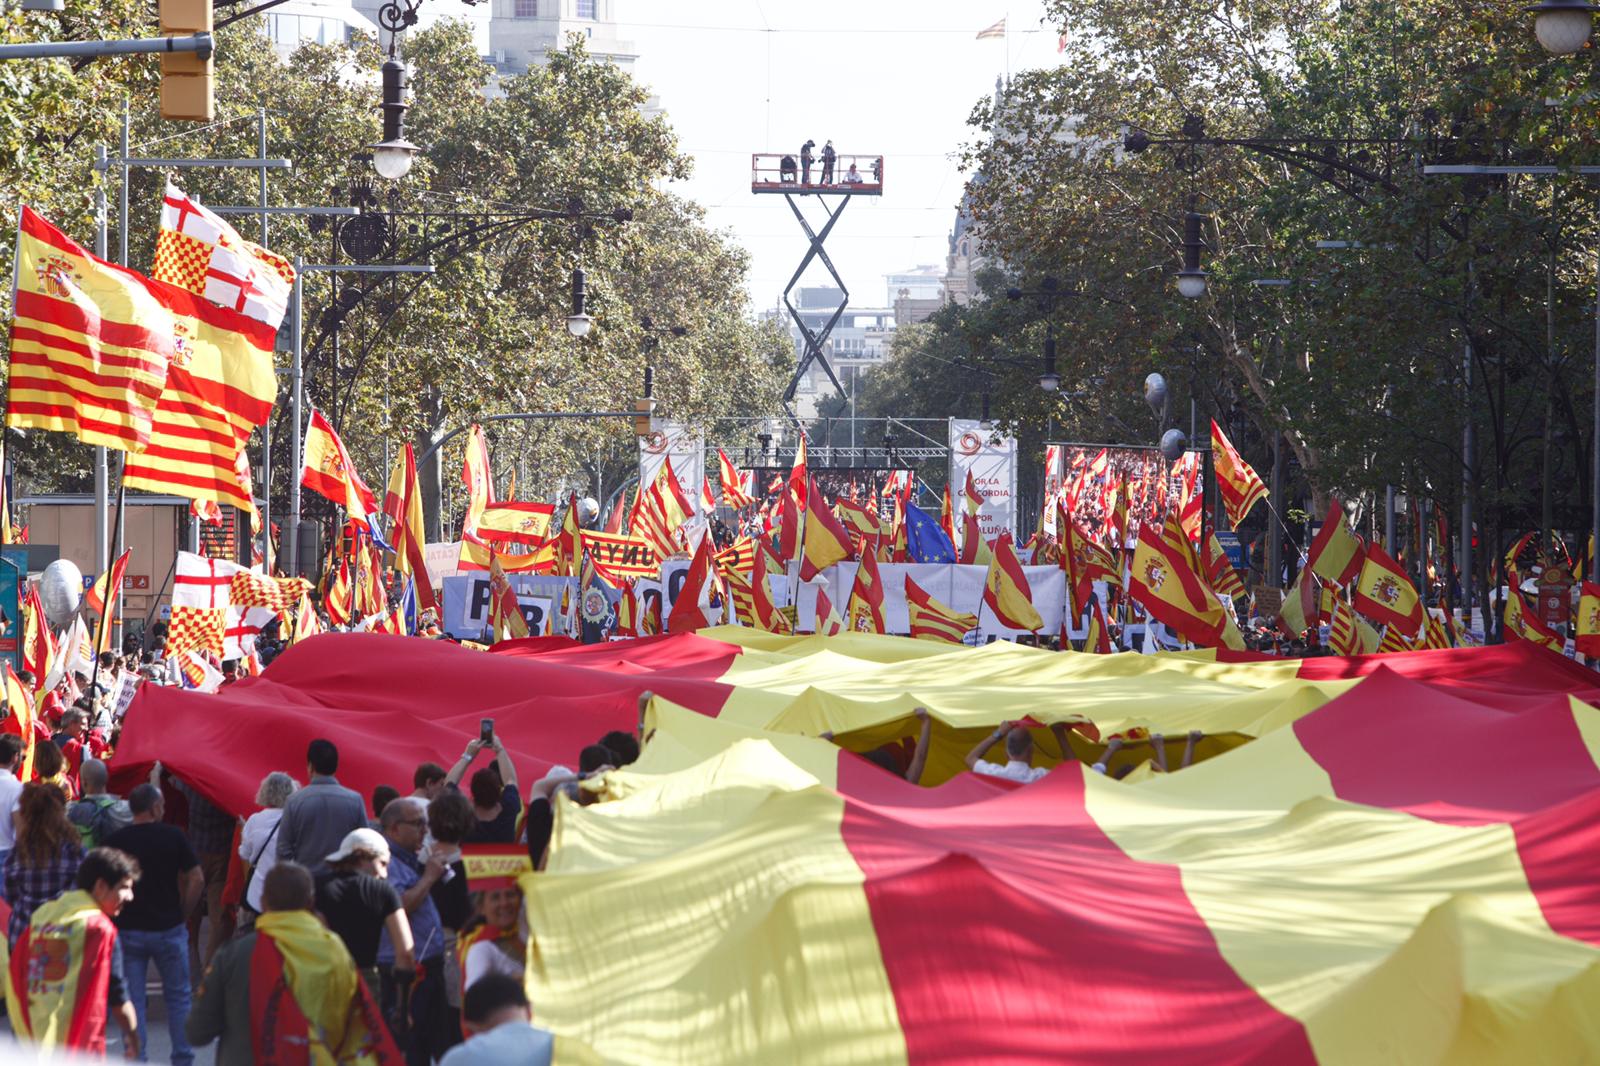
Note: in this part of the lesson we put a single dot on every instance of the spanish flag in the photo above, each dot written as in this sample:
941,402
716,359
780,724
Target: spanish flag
91,342
864,611
475,555
825,541
329,472
789,532
1301,605
1099,639
38,642
1241,487
306,622
402,503
103,598
505,613
797,473
20,705
1588,621
1383,593
1084,561
569,541
975,551
689,610
1521,624
1006,590
58,974
765,611
306,994
527,524
946,516
477,477
932,620
827,623
1165,580
1336,553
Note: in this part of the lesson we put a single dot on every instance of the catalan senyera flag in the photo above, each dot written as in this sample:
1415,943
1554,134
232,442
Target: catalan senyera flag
477,477
505,613
861,522
663,509
1383,593
515,523
825,540
103,598
1522,624
1006,591
306,622
1164,579
864,609
1342,636
708,499
1241,487
329,472
92,343
1337,553
933,620
402,503
765,611
733,493
741,594
1393,641
1587,622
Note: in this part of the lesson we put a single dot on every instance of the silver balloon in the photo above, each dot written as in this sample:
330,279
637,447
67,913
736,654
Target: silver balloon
61,591
1155,392
588,511
1172,444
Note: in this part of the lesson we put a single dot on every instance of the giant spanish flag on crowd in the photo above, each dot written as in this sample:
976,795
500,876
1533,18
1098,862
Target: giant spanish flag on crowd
1309,891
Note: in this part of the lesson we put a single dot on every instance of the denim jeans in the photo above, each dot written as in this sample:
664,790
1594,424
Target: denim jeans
169,950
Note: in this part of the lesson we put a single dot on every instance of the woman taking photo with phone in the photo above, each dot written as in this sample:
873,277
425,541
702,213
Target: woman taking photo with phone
495,800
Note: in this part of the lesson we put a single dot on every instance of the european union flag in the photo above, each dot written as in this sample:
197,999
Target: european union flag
925,540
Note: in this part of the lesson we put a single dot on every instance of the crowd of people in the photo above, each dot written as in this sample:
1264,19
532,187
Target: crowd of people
367,916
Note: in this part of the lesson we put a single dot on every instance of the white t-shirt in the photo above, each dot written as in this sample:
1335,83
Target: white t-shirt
255,847
1015,770
484,957
10,789
513,1042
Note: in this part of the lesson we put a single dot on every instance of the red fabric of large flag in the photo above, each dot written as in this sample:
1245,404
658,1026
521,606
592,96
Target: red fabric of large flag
1241,487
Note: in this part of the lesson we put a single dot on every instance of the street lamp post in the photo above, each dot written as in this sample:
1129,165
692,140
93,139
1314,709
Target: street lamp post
1049,291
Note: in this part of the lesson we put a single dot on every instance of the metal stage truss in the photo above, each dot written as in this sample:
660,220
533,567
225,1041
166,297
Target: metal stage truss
761,182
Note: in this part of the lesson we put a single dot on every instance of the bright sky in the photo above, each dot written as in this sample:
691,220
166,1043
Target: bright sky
896,77
892,77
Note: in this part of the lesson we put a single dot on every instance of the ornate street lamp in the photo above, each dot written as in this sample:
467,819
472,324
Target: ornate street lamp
392,156
1562,26
578,322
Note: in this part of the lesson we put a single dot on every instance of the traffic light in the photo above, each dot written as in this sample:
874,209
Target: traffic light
185,76
645,406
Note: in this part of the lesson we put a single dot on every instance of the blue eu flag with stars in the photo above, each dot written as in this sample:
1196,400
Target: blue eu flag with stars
926,541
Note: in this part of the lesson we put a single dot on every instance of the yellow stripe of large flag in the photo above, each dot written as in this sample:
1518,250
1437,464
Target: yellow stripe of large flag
1006,591
91,342
1241,487
932,620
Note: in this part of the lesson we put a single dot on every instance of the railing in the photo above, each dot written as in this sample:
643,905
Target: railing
787,172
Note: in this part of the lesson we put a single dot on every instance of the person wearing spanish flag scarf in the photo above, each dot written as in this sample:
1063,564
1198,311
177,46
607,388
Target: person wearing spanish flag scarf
65,973
288,994
498,944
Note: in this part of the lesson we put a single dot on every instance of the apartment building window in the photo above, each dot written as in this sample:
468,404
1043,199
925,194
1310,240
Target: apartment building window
586,9
527,9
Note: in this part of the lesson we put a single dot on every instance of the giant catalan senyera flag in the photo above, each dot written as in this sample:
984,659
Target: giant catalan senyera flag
1308,891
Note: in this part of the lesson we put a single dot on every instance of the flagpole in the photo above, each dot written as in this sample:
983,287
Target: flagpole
102,481
105,602
297,441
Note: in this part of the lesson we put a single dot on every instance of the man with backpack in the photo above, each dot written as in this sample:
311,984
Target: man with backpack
98,814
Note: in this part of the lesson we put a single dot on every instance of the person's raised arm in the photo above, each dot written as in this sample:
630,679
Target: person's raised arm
986,743
919,758
1188,748
1158,744
417,894
459,770
1059,730
1111,749
502,758
644,705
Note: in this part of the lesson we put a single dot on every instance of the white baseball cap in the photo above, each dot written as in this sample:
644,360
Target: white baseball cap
366,840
